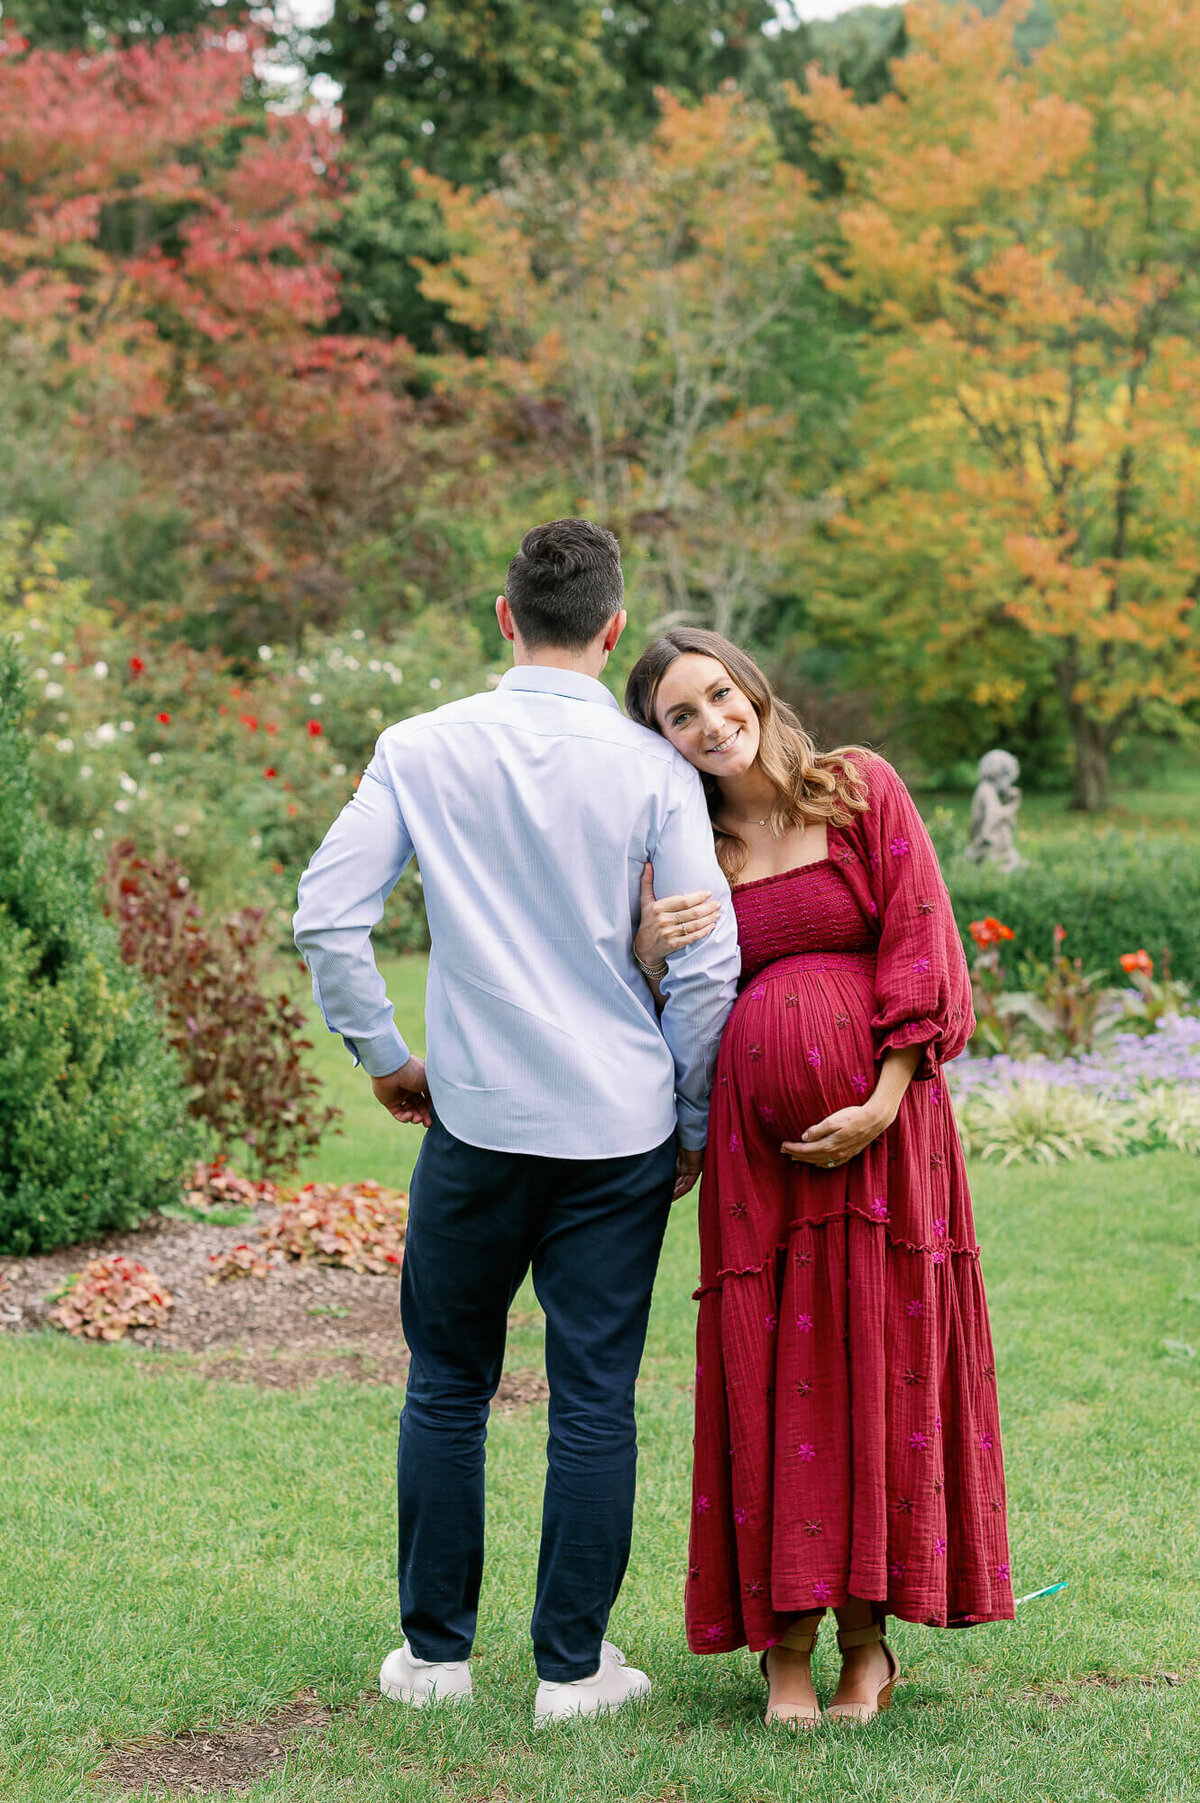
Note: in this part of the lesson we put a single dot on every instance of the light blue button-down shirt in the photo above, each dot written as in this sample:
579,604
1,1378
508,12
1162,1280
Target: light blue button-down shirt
531,811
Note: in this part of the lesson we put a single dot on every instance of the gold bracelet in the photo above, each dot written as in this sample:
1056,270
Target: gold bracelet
655,972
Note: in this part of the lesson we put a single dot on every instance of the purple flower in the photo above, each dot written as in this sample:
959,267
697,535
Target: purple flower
702,1505
914,1308
899,848
918,1441
921,966
806,1451
804,1323
821,1591
939,1548
814,1056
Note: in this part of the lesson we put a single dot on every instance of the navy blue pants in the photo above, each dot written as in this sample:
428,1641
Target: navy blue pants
591,1230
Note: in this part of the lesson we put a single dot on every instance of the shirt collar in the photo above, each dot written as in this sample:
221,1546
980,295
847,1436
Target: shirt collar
544,679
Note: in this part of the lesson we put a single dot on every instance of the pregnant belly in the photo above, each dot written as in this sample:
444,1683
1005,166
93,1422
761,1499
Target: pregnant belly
798,1044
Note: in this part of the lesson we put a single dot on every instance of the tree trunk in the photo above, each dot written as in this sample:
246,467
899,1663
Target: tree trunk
1093,742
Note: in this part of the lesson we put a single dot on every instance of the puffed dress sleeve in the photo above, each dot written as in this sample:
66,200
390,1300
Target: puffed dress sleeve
922,986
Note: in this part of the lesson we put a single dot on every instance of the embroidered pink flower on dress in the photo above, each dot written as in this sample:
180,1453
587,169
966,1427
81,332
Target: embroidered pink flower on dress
699,1372
842,1019
924,907
859,1083
804,1323
803,1386
821,1592
755,1587
792,1001
814,1056
741,1516
938,1257
987,1439
911,1376
754,1051
702,1505
935,1095
767,1113
770,1322
899,848
921,966
714,1634
756,995
734,1142
1002,1572
806,1452
879,1207
939,1549
918,1441
804,1258
937,1424
693,1572
940,1225
897,1568
873,859
914,1308
813,1528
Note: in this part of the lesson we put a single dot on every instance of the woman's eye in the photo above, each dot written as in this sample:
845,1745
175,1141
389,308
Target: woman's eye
720,694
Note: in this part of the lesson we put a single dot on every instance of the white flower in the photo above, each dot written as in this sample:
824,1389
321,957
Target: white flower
303,672
315,699
41,675
127,783
58,657
106,734
62,718
358,633
85,770
100,668
339,769
64,745
36,626
266,653
155,757
256,841
121,806
374,713
435,682
375,666
53,691
183,882
181,830
397,675
127,726
352,663
97,832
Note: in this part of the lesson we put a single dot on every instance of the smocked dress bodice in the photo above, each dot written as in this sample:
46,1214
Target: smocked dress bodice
809,909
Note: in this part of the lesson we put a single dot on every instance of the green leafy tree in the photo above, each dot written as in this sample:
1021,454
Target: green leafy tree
61,24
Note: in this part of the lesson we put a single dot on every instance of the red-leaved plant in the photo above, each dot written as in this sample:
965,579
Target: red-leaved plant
215,1186
241,1048
358,1225
108,1297
238,1261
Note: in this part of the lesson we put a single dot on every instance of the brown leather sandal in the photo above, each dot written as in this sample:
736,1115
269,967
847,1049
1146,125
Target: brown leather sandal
858,1713
796,1640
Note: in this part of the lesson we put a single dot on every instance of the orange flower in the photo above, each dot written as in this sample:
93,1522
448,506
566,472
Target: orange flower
989,931
1139,960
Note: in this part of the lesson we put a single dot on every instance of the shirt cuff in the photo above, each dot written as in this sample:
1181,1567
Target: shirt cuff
381,1055
693,1126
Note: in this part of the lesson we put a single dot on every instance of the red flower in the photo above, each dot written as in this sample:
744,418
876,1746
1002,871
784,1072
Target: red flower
292,808
989,931
236,694
136,666
164,719
1139,960
270,770
314,729
249,720
1060,933
272,726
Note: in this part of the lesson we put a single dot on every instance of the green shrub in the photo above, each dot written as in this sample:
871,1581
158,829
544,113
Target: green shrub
93,1124
1113,895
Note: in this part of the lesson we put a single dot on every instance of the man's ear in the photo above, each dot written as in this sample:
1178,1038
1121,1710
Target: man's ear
508,625
616,627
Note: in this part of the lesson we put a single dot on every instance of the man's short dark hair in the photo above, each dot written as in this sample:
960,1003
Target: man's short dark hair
565,584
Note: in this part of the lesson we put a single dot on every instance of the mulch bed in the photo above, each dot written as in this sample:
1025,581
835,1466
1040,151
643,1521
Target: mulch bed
302,1324
210,1761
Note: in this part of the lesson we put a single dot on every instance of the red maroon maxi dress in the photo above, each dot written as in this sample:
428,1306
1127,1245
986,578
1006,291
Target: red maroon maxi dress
847,1431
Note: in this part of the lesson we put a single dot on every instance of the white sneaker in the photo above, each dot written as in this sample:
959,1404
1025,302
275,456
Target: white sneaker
408,1679
609,1688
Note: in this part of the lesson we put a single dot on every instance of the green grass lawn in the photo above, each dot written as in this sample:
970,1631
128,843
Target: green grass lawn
180,1552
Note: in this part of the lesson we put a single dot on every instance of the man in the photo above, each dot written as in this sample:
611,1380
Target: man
563,1117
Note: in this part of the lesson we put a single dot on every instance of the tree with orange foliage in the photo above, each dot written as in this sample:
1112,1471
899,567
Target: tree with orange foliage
629,305
1026,239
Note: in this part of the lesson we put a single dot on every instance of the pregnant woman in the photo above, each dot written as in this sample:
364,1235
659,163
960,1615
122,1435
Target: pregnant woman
847,1445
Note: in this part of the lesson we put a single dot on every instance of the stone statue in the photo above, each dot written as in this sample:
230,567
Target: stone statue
994,808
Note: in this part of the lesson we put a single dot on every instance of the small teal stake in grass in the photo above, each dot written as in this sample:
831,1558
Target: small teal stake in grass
1050,1590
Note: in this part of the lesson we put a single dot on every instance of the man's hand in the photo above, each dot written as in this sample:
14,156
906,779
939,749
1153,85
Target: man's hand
404,1094
688,1166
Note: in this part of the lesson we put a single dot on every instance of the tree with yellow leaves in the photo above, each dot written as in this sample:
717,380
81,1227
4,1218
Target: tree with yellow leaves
1026,240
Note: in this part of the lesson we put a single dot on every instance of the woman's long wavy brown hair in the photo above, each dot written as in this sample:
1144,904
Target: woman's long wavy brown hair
809,785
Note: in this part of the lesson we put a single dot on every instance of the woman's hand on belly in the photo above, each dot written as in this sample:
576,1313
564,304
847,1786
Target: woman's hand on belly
840,1137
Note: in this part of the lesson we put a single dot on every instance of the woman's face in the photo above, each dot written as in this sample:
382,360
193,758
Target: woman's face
706,716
